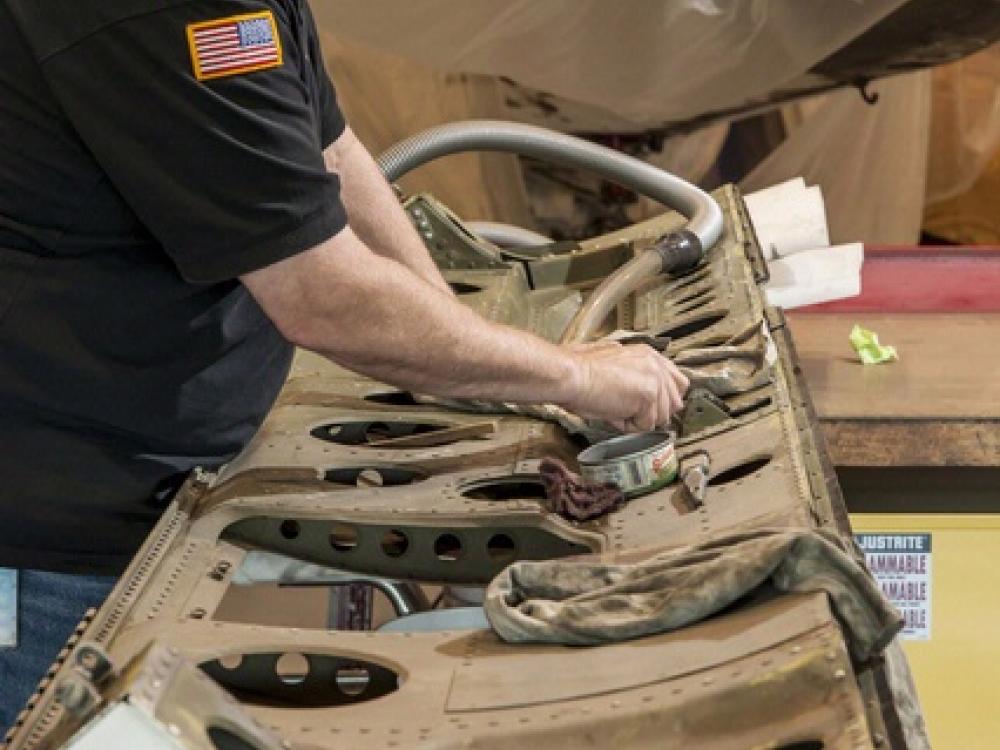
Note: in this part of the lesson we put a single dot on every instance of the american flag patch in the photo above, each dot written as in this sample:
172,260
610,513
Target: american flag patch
238,44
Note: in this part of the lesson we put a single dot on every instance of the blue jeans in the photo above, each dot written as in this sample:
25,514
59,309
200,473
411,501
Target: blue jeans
51,606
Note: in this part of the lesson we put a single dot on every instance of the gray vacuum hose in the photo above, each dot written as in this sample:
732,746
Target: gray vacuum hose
676,251
507,235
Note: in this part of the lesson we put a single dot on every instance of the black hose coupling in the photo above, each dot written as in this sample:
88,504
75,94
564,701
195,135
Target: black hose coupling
679,251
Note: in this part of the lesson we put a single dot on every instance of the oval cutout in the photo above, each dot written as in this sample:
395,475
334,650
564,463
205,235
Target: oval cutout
373,476
694,295
740,471
697,305
365,433
761,403
460,288
523,487
393,398
328,680
691,327
290,529
692,277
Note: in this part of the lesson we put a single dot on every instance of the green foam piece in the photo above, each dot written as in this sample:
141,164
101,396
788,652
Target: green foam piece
870,351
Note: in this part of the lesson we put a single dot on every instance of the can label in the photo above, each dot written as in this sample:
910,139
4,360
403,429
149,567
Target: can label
637,474
664,461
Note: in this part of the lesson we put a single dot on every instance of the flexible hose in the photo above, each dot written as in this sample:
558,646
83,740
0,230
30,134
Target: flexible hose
493,135
507,235
683,249
609,293
676,251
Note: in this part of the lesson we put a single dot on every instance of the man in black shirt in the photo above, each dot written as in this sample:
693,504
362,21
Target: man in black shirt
180,203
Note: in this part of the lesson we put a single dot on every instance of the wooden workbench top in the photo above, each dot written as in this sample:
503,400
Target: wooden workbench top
939,405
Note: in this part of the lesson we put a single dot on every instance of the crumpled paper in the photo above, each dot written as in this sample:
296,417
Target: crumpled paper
870,351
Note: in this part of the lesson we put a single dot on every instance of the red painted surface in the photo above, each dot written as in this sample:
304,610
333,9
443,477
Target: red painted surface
924,279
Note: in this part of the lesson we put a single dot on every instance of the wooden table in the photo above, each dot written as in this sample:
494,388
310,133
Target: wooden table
938,406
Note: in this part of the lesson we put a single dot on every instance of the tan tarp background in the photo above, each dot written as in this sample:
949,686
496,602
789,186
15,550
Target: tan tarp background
870,161
963,181
402,67
644,61
386,98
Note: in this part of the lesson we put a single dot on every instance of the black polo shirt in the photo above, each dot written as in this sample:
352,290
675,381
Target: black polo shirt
151,151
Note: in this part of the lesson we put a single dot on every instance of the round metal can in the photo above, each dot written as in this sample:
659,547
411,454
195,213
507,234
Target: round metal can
637,464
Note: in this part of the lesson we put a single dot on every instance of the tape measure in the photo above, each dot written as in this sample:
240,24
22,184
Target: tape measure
637,464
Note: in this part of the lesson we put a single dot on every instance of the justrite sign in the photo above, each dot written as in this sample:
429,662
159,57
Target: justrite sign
901,563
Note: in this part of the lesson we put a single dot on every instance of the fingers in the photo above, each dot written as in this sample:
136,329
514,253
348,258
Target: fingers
665,397
667,402
649,418
678,377
670,387
673,401
634,387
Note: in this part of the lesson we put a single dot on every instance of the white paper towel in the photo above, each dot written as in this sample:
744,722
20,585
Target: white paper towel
789,218
813,276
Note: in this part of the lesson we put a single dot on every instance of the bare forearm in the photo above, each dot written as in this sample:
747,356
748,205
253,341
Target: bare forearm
382,320
374,212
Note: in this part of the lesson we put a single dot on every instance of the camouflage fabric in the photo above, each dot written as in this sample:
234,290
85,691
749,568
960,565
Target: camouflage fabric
593,600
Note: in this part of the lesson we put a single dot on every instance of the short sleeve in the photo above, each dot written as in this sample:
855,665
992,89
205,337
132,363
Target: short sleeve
210,119
333,121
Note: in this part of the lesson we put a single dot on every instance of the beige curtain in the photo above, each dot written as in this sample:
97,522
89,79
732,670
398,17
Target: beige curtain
386,98
611,66
963,180
869,160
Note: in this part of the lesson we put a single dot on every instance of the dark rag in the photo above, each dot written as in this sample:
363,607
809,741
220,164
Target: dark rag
589,600
574,498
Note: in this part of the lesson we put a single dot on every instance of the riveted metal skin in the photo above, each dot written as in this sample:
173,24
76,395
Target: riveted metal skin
350,474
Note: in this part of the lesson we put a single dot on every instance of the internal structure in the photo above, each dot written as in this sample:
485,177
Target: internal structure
400,509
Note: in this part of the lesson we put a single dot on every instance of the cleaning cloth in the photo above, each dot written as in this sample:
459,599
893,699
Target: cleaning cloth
866,344
574,498
589,600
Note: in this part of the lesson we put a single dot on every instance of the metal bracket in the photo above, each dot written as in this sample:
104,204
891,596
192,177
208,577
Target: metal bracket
79,693
701,410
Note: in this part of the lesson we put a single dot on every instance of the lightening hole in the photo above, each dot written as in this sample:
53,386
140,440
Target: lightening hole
395,543
343,537
448,547
393,398
692,327
501,548
292,668
352,680
739,471
461,288
513,488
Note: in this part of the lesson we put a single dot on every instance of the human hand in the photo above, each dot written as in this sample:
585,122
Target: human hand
633,387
